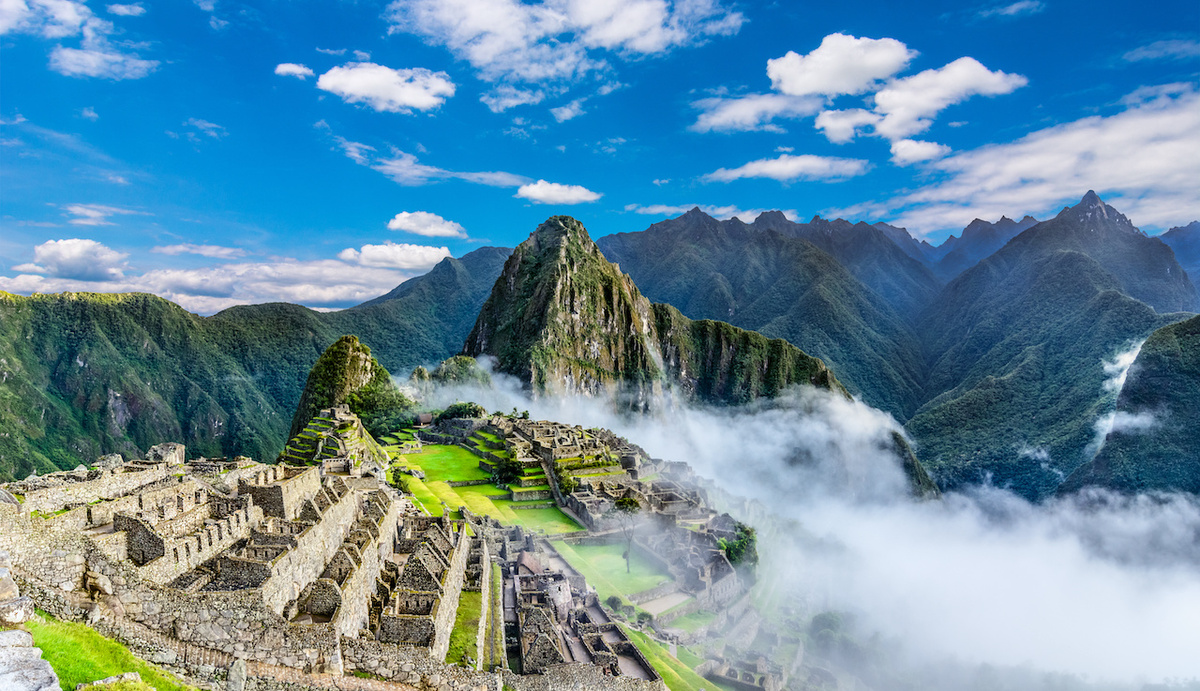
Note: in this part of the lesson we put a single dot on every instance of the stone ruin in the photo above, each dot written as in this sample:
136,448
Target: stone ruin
336,439
278,571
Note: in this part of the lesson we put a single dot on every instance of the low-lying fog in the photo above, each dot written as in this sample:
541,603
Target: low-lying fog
1093,588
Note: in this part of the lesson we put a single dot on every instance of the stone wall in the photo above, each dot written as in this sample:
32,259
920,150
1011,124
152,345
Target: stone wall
109,485
360,584
281,491
303,564
182,553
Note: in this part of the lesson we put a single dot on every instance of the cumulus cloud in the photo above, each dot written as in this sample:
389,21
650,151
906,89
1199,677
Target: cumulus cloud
788,168
1016,9
89,113
211,251
386,89
360,275
130,10
291,69
552,40
391,255
840,65
427,224
1140,159
97,56
96,214
508,96
571,110
542,192
848,65
909,105
1171,49
76,258
719,212
841,126
908,151
751,112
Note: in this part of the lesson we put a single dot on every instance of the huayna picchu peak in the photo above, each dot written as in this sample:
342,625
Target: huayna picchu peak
563,319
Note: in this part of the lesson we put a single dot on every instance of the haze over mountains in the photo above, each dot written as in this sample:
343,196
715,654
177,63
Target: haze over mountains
990,349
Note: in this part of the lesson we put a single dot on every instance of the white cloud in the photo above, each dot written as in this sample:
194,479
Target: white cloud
751,112
787,168
291,69
362,56
1117,369
427,224
209,129
841,126
98,59
391,255
131,10
355,151
550,40
211,251
908,151
89,113
96,214
386,89
96,56
332,51
909,105
362,274
1016,9
718,212
1142,160
76,258
572,110
840,65
1173,49
404,168
507,96
543,192
206,5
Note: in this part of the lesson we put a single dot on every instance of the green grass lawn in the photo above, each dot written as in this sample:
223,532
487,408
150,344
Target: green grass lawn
466,627
488,500
604,568
677,675
447,463
692,622
79,655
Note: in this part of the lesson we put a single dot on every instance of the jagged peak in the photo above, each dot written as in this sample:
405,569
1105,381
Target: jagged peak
774,216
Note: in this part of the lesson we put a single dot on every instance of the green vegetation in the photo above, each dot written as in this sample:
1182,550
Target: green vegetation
444,464
461,369
1164,381
693,622
676,675
464,636
90,374
79,655
743,549
605,569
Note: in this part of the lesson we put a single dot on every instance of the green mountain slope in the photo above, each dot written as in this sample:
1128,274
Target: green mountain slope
564,319
86,374
784,287
1016,346
1155,441
1185,242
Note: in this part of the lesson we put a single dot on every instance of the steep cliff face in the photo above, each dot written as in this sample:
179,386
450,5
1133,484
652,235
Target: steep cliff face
565,320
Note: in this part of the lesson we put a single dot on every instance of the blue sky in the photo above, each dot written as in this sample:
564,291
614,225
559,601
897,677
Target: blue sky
219,152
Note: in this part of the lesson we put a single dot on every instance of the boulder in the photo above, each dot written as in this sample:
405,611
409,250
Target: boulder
16,639
16,611
100,582
236,679
23,669
170,453
110,461
8,587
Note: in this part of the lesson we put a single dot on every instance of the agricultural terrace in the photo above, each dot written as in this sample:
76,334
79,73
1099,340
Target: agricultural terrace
442,465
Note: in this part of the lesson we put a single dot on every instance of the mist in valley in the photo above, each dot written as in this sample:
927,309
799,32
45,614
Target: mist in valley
979,589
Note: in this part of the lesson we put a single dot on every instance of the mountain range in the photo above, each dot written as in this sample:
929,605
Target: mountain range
990,349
